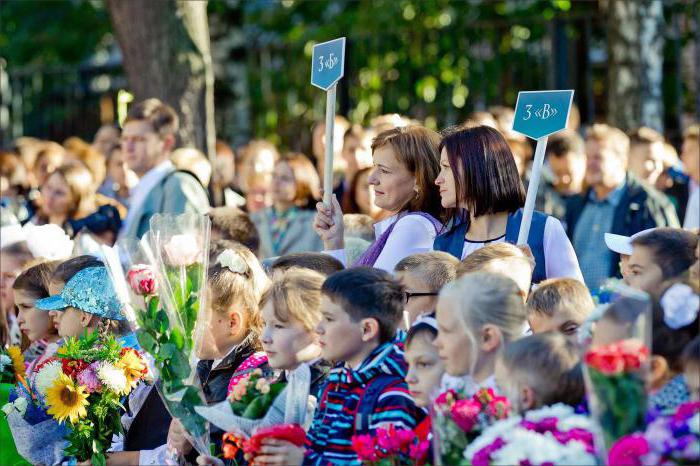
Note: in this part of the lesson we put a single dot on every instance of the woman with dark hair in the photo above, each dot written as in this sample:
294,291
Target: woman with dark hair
405,165
286,226
479,183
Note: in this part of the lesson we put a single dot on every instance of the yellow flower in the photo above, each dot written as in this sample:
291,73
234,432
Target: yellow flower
67,400
133,366
15,353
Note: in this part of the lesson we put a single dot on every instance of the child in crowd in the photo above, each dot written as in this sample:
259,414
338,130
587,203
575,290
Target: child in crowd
425,368
361,309
477,315
31,285
232,347
15,257
512,261
691,368
317,261
674,326
658,256
559,305
423,275
540,370
233,224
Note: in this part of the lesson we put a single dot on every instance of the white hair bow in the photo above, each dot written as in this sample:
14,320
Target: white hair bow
680,304
232,261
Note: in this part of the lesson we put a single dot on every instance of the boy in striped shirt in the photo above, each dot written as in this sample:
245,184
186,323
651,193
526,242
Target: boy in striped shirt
361,308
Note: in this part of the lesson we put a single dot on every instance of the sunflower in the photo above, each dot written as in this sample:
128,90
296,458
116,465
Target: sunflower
133,366
67,399
15,353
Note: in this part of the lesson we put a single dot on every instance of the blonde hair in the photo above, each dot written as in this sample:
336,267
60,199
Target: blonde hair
615,138
559,295
436,268
480,258
483,298
550,364
244,288
296,295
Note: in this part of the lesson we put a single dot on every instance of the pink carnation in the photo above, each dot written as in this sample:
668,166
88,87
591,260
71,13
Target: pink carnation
88,378
628,451
464,413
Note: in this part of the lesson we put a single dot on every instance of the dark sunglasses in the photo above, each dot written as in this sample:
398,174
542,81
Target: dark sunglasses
408,295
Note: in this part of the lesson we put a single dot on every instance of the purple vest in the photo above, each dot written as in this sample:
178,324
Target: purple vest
375,249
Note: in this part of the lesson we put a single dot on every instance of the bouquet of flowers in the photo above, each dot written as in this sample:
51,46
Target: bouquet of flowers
668,440
11,365
553,435
232,445
253,395
390,447
458,420
165,282
616,363
83,386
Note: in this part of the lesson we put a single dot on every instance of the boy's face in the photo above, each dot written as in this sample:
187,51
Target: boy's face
562,321
452,342
644,273
70,322
425,368
416,305
287,344
339,337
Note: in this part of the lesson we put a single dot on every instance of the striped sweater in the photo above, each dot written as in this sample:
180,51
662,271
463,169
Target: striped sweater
334,423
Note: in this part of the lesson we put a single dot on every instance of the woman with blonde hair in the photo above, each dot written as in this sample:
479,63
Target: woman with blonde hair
406,161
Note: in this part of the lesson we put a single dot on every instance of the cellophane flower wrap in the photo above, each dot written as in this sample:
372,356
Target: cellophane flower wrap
82,387
457,420
552,435
389,446
616,365
164,283
669,440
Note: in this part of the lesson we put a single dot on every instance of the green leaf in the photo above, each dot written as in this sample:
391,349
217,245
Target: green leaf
168,350
177,338
179,365
146,341
162,321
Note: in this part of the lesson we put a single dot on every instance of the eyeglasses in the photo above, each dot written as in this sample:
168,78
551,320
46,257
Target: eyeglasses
409,294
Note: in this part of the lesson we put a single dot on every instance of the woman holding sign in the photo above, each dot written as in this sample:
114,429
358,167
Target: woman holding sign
479,180
406,162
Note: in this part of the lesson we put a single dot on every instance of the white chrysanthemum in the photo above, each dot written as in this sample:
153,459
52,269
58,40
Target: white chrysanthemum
501,429
4,361
47,376
576,421
559,410
112,377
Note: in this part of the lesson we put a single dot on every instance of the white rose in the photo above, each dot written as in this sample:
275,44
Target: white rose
182,250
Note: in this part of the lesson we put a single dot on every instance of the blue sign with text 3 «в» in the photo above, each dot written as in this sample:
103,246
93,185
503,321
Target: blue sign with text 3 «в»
328,63
541,113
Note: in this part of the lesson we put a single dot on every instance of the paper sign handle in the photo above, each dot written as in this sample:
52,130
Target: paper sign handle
532,191
328,162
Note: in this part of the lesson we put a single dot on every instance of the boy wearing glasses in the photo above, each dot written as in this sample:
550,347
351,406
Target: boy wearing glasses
422,275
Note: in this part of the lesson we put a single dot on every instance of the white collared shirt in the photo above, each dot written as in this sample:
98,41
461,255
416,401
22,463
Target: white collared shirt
138,194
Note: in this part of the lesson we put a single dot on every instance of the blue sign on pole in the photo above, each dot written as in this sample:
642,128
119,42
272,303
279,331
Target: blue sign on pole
541,113
328,63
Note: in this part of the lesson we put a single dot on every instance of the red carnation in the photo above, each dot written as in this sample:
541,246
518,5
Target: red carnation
72,367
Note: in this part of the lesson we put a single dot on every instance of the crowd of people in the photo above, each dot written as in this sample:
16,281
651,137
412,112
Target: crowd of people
407,283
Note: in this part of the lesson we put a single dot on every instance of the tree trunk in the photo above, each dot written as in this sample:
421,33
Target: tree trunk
635,54
166,52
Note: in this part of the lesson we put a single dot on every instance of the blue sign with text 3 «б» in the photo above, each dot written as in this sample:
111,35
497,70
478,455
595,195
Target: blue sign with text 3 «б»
328,63
541,113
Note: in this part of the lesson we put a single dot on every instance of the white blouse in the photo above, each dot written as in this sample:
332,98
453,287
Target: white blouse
412,234
561,260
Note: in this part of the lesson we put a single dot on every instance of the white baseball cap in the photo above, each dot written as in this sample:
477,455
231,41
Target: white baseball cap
623,244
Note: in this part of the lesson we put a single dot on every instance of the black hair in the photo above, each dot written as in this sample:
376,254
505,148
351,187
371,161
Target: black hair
365,292
673,249
669,342
565,142
486,177
67,269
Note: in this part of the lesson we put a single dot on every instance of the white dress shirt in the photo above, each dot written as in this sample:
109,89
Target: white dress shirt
560,256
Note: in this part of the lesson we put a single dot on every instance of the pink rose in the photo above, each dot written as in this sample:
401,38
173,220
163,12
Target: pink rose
464,414
628,451
142,280
183,250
